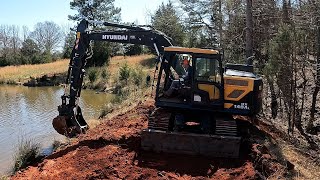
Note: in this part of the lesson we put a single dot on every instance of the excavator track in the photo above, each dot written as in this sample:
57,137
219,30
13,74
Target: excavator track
159,119
226,127
159,138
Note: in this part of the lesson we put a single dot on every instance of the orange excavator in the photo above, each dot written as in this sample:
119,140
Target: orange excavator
196,117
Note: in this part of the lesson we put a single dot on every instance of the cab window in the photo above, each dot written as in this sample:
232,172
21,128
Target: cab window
206,69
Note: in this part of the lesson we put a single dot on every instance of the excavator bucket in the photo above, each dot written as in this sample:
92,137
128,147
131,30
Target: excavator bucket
70,126
60,124
189,143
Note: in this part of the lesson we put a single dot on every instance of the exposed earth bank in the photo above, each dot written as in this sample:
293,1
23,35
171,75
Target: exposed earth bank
112,151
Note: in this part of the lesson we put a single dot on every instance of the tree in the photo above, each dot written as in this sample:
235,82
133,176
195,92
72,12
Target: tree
315,9
48,36
10,44
249,32
101,53
68,44
30,52
204,22
166,20
97,10
133,49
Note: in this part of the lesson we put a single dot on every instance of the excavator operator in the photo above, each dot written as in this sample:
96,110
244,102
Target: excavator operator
184,81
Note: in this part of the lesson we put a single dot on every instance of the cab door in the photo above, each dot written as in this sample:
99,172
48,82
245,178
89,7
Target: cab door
208,84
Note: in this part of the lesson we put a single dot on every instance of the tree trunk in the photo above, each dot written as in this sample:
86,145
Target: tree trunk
316,91
285,12
274,102
249,32
220,23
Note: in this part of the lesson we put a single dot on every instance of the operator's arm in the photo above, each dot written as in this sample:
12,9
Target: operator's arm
174,73
188,76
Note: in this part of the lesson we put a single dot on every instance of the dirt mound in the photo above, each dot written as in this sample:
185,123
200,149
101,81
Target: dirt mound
112,150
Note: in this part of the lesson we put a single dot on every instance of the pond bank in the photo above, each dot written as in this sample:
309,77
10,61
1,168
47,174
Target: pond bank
28,112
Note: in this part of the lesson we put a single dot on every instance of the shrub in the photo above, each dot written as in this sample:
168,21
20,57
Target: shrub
124,72
27,153
92,74
104,74
122,92
137,76
108,109
55,145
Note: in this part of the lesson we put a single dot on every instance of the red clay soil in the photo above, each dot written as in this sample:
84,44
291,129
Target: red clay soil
112,151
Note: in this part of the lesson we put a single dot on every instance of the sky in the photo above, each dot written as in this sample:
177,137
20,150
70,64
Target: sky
29,12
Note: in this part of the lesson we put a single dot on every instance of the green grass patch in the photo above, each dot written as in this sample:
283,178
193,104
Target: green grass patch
27,153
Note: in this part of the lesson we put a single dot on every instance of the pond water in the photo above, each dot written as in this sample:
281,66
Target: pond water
27,113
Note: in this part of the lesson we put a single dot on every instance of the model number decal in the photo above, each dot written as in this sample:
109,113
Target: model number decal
242,106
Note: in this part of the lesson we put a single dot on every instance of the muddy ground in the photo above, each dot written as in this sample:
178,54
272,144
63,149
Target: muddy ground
112,151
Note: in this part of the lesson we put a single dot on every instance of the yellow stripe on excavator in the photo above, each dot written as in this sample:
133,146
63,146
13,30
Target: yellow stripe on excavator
190,50
228,105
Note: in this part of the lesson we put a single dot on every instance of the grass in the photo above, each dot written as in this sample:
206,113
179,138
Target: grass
23,73
124,76
4,178
102,78
27,153
15,74
116,61
305,167
55,145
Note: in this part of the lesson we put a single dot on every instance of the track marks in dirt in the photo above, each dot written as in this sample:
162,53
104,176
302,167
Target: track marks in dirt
112,150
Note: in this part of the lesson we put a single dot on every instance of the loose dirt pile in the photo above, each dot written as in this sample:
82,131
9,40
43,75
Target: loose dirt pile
112,151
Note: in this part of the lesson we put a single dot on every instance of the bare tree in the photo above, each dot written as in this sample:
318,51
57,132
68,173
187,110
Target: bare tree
9,38
249,32
14,38
25,32
48,35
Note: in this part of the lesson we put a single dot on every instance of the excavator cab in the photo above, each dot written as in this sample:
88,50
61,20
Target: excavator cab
203,88
198,117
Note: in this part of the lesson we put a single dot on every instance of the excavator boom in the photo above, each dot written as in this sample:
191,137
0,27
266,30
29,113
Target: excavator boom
70,121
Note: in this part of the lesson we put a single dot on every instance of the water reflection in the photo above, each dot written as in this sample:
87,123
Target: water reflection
28,112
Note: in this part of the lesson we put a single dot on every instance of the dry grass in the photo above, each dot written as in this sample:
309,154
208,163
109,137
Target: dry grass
92,123
117,61
305,168
4,178
24,72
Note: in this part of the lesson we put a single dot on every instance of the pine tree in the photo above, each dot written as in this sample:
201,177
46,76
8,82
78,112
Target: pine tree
166,20
97,10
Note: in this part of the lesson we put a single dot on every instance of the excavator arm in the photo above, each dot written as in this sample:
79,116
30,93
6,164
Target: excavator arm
70,121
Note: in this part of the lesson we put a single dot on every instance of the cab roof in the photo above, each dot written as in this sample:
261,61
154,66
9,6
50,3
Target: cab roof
190,50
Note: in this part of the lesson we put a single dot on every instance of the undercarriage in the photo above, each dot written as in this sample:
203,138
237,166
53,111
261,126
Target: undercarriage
196,133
